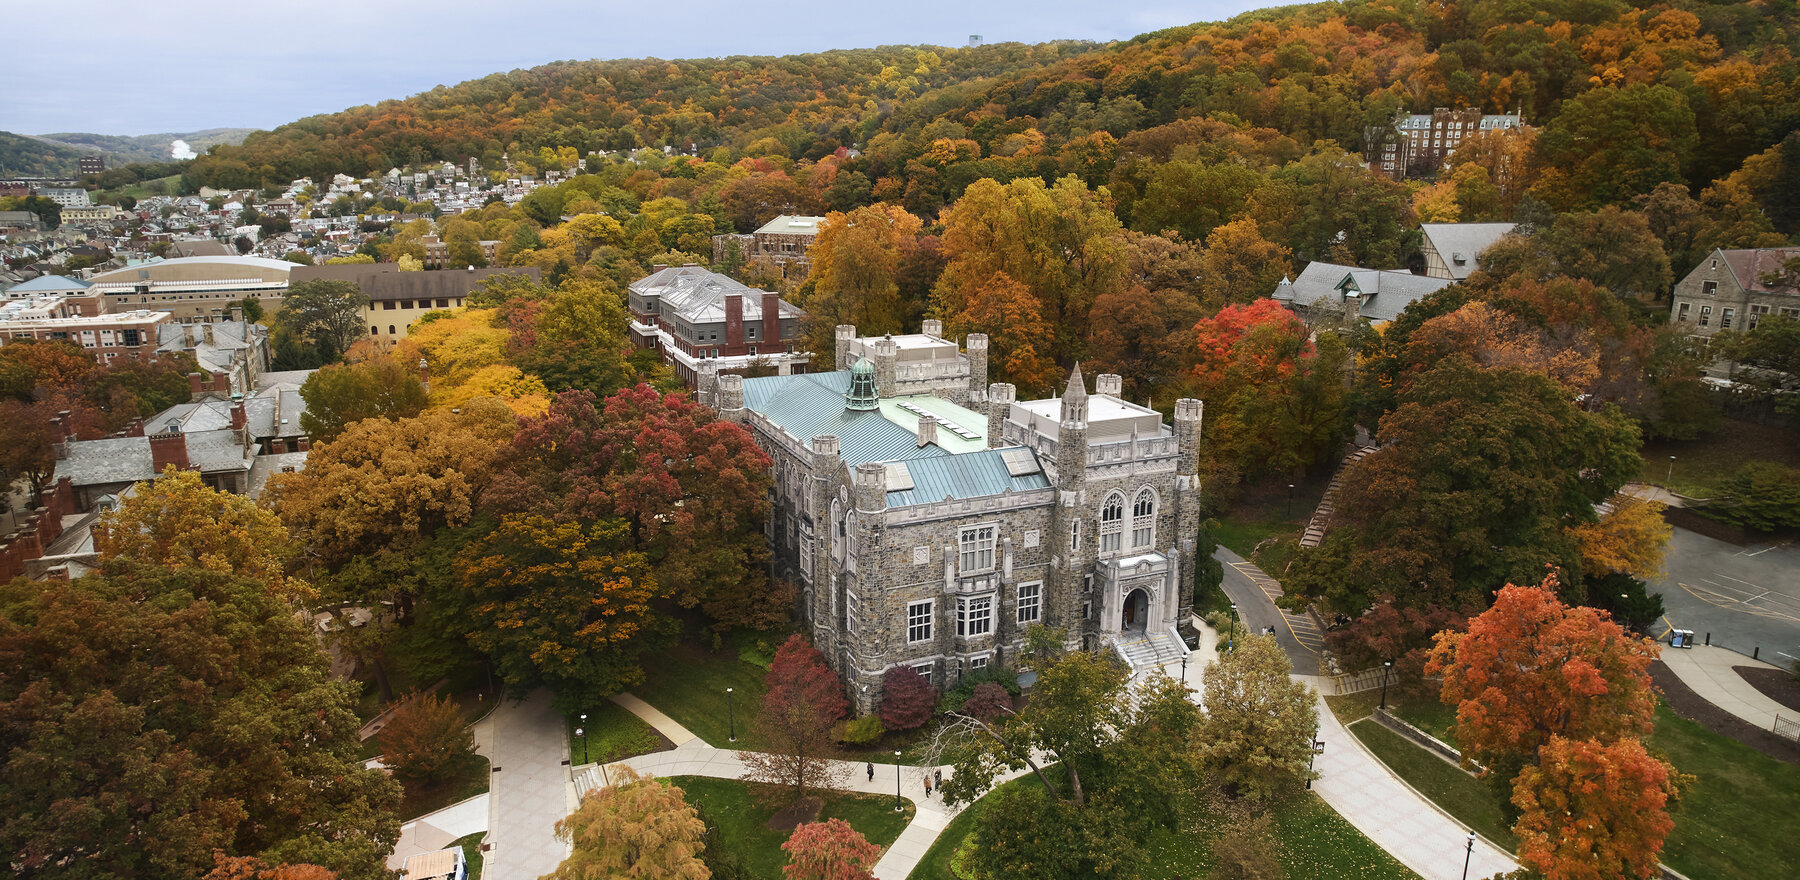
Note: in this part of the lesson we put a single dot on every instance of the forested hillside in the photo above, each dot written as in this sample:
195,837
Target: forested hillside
22,156
1686,90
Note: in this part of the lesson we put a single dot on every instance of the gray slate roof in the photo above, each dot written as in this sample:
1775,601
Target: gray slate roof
1466,239
113,460
1384,294
214,451
697,295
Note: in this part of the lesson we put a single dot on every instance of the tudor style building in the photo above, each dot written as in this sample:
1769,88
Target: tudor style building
930,518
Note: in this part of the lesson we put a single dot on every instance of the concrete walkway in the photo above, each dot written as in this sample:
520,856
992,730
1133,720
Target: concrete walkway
434,831
1707,670
1389,812
529,790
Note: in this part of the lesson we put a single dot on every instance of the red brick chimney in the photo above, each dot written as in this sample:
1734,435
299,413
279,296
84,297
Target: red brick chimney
168,448
302,444
195,384
135,429
237,415
771,321
734,321
277,446
221,382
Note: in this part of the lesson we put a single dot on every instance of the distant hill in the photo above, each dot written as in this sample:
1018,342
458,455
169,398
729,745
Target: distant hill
122,149
25,156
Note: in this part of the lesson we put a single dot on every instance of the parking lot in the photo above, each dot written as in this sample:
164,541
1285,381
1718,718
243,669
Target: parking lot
1746,598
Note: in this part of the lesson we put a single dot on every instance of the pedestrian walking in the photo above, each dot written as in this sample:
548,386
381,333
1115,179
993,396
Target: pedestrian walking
871,771
938,776
928,786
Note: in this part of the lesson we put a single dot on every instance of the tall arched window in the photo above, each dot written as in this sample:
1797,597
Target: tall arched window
1112,523
1143,519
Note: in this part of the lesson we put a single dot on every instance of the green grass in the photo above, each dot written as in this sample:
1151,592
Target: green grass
612,734
1736,820
1241,536
743,817
1423,712
1702,465
467,781
1461,795
1312,841
471,846
688,682
1732,821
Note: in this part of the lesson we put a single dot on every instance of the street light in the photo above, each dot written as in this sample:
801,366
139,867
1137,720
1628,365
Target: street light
1385,666
898,807
1468,854
1184,668
1318,748
731,715
1231,641
1670,481
1290,501
581,734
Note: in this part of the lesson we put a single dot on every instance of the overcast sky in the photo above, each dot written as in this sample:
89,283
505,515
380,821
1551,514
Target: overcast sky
131,67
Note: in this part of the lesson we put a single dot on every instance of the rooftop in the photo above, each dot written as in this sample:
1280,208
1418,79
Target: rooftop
788,224
697,295
1459,244
1383,294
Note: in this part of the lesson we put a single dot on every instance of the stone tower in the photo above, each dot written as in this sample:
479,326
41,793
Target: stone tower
731,397
846,337
1000,396
976,347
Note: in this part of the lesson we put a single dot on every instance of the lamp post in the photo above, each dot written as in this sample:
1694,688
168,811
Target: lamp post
1385,666
1184,668
1318,748
1290,501
1468,854
731,715
581,734
898,807
1231,641
1669,482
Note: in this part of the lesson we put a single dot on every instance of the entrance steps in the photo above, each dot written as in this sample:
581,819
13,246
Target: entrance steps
1148,650
1321,518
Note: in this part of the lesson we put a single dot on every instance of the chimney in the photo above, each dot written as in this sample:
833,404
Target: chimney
221,382
771,319
932,327
658,267
927,430
278,446
135,429
206,331
302,444
238,418
734,320
168,448
237,314
194,384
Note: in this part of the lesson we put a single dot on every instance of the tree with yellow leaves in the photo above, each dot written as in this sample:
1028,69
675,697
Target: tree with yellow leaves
638,826
178,521
1629,539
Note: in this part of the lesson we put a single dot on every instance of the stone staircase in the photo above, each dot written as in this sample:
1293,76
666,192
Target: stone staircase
1315,527
1148,650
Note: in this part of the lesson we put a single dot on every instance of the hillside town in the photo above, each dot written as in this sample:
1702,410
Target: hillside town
1326,443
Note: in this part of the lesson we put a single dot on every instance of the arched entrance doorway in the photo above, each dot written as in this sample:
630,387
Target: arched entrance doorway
1136,611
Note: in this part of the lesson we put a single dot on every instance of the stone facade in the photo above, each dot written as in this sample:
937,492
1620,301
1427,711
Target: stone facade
941,517
1726,291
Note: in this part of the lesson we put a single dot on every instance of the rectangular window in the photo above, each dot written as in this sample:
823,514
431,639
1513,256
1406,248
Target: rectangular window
978,662
849,612
1030,597
388,305
1756,313
1725,319
132,337
751,331
406,304
925,670
1705,315
1075,535
1682,313
918,621
1710,288
977,545
1087,610
975,617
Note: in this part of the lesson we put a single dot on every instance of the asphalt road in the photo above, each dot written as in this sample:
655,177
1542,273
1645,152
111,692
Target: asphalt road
1747,598
1255,592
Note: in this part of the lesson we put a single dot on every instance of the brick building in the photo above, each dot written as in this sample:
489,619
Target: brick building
1418,143
781,242
128,334
693,316
397,299
930,517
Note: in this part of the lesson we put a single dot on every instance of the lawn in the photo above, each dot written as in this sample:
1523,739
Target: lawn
471,847
1471,801
611,734
688,682
1241,536
742,819
1421,711
1312,841
1731,822
1702,465
467,781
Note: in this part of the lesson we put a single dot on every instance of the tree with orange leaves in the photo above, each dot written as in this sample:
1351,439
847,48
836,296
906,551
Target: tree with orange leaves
1531,668
1593,811
1276,399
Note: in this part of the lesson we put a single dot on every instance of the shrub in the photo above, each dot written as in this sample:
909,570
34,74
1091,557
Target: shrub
990,674
426,740
989,701
1762,495
864,731
907,699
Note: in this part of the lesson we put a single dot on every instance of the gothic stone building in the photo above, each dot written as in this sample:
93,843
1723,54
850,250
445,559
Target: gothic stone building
929,517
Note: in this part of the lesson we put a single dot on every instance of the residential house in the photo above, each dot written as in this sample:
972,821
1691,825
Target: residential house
1453,250
1327,291
692,315
1728,291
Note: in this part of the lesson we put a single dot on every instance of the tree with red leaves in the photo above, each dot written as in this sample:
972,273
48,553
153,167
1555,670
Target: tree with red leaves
829,850
1593,811
693,489
907,699
1531,668
804,700
1275,398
